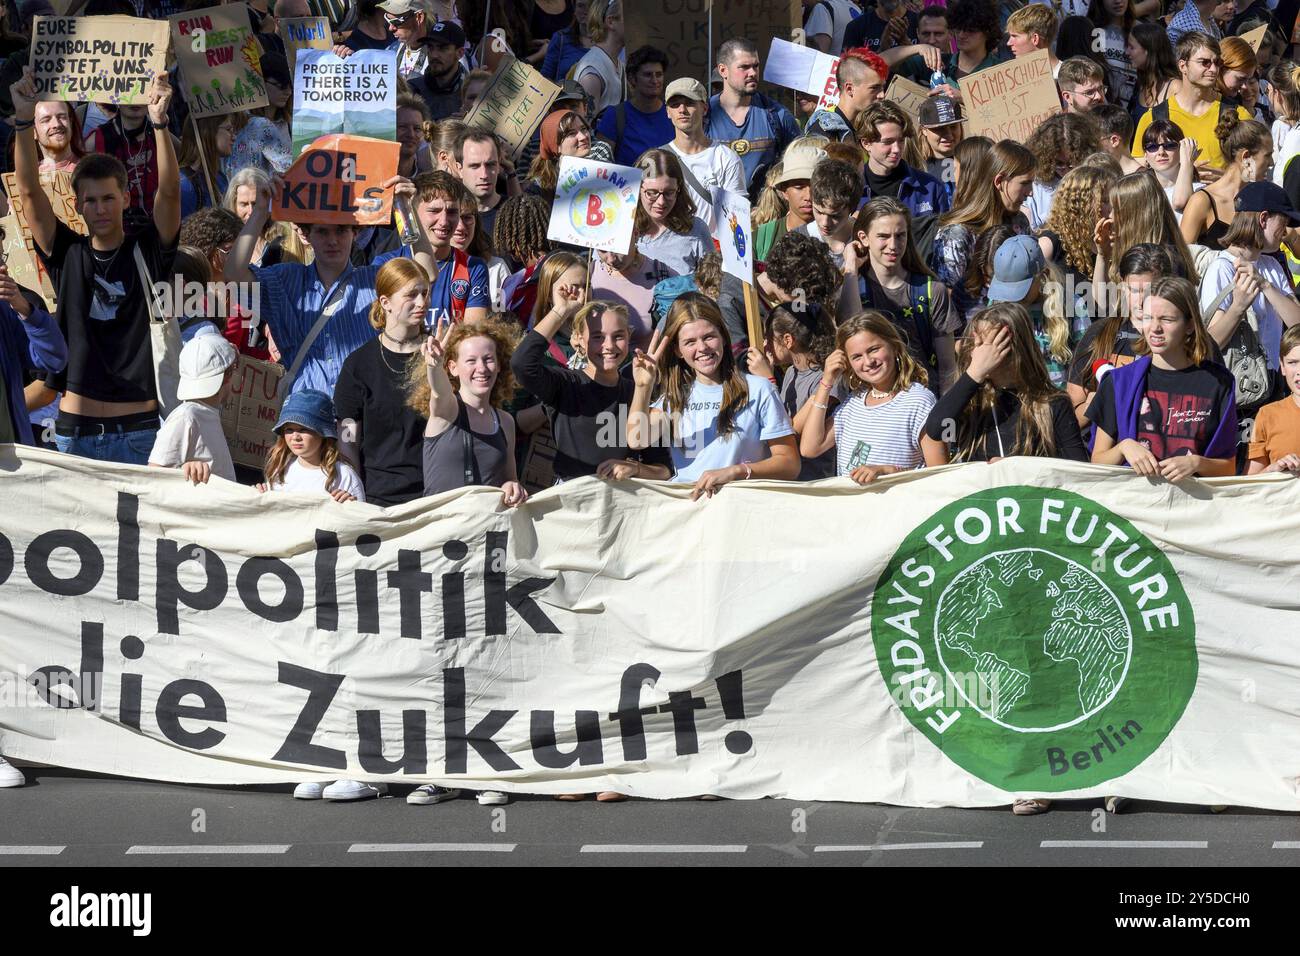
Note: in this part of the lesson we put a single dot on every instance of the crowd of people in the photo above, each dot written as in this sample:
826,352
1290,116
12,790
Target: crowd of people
1120,288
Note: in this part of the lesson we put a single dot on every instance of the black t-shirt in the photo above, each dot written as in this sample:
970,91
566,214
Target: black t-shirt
886,185
371,391
1121,349
1180,410
588,419
997,433
103,314
867,30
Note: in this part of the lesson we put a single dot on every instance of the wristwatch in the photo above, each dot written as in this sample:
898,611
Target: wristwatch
159,125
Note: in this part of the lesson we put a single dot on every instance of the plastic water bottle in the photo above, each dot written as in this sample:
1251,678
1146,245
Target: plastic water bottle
407,225
938,79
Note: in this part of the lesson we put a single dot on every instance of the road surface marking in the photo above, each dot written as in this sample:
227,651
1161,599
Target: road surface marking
1125,844
31,850
201,850
1286,845
432,848
870,848
663,848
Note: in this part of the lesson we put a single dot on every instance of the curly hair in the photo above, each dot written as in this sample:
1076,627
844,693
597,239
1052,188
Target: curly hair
1076,210
799,262
520,228
210,228
977,15
1073,134
811,329
504,336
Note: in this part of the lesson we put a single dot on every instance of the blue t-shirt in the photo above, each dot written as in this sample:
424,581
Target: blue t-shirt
756,142
761,419
477,294
641,131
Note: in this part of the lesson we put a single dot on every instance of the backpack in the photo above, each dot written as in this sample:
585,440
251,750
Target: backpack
1161,110
1244,355
920,291
665,294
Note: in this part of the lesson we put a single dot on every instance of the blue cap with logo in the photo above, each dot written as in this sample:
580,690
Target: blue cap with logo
1015,266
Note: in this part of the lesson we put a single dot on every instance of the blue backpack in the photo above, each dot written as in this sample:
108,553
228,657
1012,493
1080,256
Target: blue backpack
665,294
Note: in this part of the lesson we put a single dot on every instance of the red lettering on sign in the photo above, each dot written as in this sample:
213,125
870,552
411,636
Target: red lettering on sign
594,216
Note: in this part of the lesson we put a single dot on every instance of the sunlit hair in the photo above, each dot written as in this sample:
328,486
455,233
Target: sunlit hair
595,310
504,337
553,267
1147,217
1160,67
394,276
879,208
1032,385
678,378
910,372
1076,210
977,204
1181,294
1284,82
656,164
1237,136
1071,134
597,14
280,457
810,328
1245,231
1056,322
771,204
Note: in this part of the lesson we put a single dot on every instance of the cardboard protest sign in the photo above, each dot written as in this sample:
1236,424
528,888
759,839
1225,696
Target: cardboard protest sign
514,104
908,95
97,59
338,180
734,230
22,262
805,69
250,410
680,28
594,204
218,57
58,189
1256,36
304,33
1010,100
332,95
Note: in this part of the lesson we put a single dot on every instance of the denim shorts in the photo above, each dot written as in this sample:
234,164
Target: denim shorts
129,448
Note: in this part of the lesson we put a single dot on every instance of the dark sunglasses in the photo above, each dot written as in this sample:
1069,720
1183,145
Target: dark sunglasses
402,20
1163,145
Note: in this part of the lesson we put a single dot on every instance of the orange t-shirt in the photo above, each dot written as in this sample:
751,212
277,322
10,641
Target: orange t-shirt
1277,431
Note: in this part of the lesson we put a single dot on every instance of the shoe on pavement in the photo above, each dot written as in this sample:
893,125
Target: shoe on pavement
1029,808
353,790
309,791
1117,804
1218,807
492,798
430,793
10,776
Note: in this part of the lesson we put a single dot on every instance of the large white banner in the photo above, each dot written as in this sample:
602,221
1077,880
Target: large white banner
954,637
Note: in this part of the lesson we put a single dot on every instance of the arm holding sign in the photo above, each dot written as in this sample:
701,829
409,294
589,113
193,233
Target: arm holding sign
167,203
40,214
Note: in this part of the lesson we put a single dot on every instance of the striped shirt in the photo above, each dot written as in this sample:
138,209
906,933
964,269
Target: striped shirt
888,434
291,296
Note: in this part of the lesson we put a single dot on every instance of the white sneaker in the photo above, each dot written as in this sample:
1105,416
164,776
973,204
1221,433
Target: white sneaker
308,791
10,776
353,790
492,798
430,793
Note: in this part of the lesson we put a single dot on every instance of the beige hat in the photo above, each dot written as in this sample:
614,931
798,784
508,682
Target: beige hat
798,163
685,86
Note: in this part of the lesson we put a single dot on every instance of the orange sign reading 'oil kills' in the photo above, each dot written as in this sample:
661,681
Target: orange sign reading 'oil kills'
339,179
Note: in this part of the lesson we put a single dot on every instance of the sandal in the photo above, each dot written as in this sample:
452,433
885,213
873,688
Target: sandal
1029,808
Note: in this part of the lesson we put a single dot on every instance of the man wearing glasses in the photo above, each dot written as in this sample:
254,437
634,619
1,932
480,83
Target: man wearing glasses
1083,84
409,22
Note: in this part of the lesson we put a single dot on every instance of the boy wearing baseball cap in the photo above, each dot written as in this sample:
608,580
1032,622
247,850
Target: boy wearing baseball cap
191,438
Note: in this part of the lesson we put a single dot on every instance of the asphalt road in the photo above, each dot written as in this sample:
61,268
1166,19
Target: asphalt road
63,818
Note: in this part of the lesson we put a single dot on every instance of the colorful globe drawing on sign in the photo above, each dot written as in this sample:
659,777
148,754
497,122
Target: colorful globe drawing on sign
737,234
1039,640
596,207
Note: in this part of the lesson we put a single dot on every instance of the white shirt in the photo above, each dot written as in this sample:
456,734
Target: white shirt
1220,274
1289,148
193,433
298,477
597,61
819,22
888,434
1039,204
717,165
498,273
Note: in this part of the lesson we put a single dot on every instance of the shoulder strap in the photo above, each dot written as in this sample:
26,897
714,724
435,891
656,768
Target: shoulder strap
313,333
146,286
920,294
470,463
692,181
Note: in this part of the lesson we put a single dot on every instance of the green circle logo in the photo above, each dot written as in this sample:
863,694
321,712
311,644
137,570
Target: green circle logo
1039,640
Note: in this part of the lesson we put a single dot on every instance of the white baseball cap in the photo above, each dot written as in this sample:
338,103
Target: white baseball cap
203,364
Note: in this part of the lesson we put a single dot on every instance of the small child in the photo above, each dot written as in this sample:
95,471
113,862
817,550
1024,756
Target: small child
191,438
306,455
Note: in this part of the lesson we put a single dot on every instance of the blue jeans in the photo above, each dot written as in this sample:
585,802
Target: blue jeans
129,448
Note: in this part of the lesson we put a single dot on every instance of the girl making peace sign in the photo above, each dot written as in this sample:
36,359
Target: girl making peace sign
721,426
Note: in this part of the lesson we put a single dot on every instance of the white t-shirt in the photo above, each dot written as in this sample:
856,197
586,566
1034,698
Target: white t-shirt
1289,148
717,165
1220,274
1039,204
761,419
193,433
298,477
1280,128
888,434
597,61
498,273
819,21
679,252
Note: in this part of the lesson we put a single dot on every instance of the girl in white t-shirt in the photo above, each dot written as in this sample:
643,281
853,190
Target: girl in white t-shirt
880,428
306,453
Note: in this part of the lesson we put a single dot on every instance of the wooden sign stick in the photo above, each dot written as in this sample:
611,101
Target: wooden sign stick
753,323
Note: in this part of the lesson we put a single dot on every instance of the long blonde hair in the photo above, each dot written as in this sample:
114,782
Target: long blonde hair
1147,217
875,323
1034,434
553,266
977,204
1056,321
771,204
280,457
1076,210
678,378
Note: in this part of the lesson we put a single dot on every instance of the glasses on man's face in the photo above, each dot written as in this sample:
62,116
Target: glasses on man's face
654,195
1164,146
399,21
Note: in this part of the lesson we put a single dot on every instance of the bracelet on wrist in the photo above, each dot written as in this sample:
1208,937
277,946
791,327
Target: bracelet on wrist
826,385
822,405
749,472
162,125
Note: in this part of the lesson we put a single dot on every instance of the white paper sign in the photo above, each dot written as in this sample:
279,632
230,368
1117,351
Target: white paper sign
734,230
595,204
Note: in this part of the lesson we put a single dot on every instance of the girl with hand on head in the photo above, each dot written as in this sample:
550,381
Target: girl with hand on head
1172,157
721,426
468,441
1134,412
561,286
582,405
880,428
306,453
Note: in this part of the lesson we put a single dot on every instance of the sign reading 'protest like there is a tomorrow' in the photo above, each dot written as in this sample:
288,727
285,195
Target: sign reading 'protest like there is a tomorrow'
219,60
107,59
1010,100
514,104
595,204
333,95
339,179
970,633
